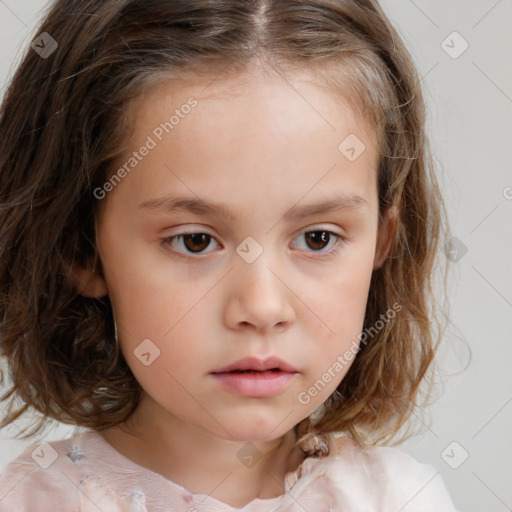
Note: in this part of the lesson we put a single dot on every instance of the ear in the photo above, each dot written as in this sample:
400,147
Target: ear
89,280
385,236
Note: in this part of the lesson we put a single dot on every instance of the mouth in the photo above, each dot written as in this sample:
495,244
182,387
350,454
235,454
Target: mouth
256,378
254,384
256,366
255,371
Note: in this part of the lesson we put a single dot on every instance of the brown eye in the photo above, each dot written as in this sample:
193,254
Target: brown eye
189,243
317,239
196,242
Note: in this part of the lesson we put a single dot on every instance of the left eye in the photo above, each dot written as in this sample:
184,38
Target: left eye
196,243
319,238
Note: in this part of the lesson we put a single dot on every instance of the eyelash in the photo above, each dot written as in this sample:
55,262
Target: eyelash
340,242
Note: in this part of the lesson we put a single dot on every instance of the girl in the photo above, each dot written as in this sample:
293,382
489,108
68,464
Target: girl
219,221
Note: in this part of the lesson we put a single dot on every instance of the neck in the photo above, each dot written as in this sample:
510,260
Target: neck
234,472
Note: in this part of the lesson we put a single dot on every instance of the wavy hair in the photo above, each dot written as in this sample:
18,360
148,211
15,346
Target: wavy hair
64,120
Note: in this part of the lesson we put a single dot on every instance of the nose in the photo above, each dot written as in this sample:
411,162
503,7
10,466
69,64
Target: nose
259,298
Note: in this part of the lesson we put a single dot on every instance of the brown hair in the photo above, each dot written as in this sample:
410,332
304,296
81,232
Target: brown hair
63,121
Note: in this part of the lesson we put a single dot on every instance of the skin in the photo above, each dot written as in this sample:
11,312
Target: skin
261,147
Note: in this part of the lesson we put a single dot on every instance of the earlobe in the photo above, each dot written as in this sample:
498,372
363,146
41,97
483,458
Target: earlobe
385,237
89,282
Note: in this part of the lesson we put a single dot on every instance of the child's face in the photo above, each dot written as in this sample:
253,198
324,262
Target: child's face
264,149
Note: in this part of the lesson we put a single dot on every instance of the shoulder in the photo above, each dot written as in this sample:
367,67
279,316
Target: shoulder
385,462
385,478
39,479
82,473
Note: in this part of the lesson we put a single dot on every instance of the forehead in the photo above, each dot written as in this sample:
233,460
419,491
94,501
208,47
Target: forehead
250,134
283,97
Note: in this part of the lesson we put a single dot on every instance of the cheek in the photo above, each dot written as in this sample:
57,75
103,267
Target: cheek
341,300
341,308
149,294
162,305
166,316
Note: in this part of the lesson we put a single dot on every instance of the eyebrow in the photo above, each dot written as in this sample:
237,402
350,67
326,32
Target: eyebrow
201,207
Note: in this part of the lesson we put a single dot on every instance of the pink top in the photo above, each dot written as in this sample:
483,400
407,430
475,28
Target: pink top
84,473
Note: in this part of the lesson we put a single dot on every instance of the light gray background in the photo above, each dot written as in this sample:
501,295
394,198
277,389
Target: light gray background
470,125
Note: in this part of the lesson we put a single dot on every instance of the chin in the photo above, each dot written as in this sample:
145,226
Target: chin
254,428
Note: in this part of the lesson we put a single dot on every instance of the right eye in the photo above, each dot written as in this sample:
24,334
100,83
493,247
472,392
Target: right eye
194,242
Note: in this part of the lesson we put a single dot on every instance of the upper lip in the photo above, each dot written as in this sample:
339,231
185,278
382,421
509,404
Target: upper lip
254,363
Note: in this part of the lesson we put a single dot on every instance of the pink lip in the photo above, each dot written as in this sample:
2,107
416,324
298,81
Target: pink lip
255,385
268,377
253,363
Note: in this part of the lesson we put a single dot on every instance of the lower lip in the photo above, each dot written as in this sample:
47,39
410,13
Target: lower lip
255,385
